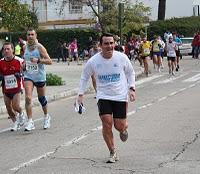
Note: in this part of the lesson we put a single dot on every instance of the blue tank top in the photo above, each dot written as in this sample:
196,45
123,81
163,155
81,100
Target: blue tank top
35,72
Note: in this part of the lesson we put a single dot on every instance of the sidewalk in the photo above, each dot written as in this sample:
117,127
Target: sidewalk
70,74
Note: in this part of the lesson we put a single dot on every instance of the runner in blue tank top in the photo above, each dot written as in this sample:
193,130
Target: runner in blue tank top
35,56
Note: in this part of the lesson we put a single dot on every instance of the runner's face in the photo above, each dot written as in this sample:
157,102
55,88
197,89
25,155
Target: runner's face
107,46
31,36
7,51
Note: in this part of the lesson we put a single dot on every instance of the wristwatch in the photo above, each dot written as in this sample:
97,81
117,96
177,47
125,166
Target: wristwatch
131,88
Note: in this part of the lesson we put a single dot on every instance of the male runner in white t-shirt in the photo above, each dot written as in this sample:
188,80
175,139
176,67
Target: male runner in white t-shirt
115,78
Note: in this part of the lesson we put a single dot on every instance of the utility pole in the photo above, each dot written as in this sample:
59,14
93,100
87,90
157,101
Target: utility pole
120,20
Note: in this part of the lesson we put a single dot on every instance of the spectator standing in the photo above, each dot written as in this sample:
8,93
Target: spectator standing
196,45
18,50
73,47
65,51
59,52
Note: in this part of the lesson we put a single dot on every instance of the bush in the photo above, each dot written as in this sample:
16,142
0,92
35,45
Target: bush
186,26
51,38
54,80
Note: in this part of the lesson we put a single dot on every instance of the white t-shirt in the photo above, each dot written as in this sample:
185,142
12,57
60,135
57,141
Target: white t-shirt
171,49
113,76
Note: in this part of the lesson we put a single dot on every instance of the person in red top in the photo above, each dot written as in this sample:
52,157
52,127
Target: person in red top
11,68
196,45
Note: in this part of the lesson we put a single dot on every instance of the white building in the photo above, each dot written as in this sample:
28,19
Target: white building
174,8
76,13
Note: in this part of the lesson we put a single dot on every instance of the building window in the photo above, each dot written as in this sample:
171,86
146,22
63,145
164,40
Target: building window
75,6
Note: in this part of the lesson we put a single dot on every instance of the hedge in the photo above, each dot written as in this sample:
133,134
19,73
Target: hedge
186,26
51,38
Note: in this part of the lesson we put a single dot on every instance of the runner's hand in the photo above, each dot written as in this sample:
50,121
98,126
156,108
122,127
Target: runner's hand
132,95
78,105
34,60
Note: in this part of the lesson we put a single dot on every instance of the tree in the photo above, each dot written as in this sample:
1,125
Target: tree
107,14
161,9
16,16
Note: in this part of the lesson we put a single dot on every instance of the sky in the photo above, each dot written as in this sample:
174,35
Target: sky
174,8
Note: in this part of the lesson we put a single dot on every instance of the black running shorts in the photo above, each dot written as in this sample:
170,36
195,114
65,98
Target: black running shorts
117,108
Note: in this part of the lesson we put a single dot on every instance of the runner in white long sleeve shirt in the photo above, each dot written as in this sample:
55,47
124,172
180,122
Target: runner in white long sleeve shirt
115,78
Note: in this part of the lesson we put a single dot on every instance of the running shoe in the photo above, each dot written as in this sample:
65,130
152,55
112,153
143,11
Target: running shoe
46,122
113,157
124,135
15,126
29,126
21,119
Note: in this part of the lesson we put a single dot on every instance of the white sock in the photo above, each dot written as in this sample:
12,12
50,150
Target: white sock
46,115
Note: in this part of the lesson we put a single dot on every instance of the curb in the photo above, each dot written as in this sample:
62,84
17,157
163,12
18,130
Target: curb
58,96
50,98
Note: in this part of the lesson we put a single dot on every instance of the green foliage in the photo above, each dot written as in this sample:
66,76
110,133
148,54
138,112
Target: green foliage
51,38
16,16
54,80
185,26
133,19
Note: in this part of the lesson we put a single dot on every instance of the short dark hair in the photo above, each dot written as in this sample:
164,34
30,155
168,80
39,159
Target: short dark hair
31,29
8,43
105,35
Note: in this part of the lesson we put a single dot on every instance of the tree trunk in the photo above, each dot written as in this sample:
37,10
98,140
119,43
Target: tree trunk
161,9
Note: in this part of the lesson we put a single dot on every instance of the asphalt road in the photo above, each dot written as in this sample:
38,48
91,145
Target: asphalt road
164,130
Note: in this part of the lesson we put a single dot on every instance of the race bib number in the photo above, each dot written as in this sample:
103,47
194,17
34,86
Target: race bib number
171,53
31,67
156,48
10,82
146,51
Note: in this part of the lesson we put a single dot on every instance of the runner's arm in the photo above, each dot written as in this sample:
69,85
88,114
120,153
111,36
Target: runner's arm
45,59
85,75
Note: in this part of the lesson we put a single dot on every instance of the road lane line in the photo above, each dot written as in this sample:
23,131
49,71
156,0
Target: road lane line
193,78
85,135
147,79
171,79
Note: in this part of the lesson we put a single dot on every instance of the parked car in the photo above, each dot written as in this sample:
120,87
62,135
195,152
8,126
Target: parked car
186,47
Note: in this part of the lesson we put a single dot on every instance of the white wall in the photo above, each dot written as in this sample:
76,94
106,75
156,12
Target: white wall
53,12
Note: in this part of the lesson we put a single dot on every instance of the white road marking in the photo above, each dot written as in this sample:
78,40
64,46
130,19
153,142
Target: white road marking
171,79
85,135
147,79
193,78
